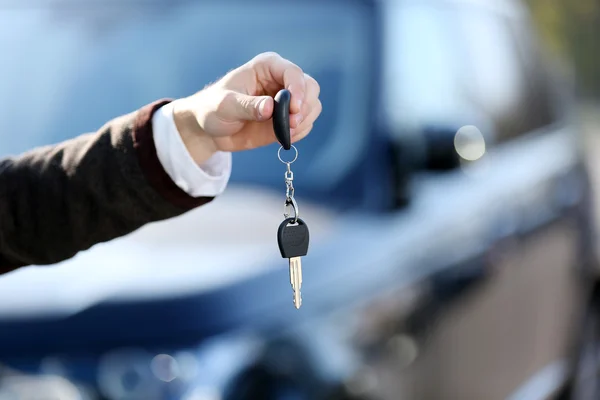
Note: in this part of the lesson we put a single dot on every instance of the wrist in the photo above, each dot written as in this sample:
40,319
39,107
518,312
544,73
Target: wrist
197,142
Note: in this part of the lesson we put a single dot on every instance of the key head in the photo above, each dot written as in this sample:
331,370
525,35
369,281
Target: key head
292,239
281,118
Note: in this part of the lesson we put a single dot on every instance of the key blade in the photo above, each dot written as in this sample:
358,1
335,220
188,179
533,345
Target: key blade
296,280
297,299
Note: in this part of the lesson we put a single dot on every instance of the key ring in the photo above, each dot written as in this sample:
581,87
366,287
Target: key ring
291,202
287,162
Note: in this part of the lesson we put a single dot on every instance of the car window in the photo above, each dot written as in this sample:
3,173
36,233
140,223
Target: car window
501,73
67,71
460,64
491,71
422,67
543,89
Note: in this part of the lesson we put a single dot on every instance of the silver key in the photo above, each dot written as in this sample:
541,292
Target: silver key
293,239
296,280
292,235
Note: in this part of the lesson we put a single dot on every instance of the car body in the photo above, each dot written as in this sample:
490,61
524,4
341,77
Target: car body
428,277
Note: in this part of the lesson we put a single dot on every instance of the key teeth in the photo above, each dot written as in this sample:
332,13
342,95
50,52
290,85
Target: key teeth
297,300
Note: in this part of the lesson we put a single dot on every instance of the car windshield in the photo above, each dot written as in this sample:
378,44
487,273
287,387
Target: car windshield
67,69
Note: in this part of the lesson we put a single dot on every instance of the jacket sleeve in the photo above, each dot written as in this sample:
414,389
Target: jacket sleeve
58,200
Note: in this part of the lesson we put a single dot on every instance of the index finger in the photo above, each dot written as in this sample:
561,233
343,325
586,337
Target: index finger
276,69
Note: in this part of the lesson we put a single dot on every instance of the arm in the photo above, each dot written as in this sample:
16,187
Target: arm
58,200
145,166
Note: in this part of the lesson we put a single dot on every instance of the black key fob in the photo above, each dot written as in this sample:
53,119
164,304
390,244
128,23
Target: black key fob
281,118
293,239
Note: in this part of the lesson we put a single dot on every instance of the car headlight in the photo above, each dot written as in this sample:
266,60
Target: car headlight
200,373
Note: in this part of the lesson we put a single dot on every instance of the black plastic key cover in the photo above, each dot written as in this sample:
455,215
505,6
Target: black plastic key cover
281,118
292,239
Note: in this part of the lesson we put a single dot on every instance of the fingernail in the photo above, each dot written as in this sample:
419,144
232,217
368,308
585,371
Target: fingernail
261,108
299,119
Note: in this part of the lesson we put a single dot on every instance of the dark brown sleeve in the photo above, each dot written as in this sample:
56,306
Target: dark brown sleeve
58,200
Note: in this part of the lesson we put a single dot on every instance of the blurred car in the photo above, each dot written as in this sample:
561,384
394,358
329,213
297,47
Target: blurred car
430,275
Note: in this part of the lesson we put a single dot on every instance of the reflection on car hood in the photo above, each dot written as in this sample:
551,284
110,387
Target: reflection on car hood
229,239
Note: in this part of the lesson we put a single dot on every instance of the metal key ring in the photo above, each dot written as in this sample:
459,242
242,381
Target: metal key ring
291,202
287,162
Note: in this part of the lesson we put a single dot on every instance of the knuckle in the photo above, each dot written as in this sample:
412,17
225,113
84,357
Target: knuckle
294,72
305,131
297,69
316,110
267,57
317,86
313,83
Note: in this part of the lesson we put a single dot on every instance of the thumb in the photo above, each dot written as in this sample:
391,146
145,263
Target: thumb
250,108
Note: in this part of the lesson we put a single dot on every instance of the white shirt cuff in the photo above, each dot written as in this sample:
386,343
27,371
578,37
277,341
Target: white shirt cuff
206,180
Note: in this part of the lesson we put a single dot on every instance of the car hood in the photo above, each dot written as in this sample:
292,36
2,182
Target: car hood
230,239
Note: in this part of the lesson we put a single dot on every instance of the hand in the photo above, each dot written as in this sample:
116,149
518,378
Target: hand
234,113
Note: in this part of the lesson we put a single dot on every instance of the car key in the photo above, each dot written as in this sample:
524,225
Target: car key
292,239
281,118
292,235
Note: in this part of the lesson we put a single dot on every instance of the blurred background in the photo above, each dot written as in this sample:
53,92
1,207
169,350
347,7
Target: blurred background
450,186
569,30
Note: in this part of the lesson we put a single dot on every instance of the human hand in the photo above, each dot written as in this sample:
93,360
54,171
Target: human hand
234,113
